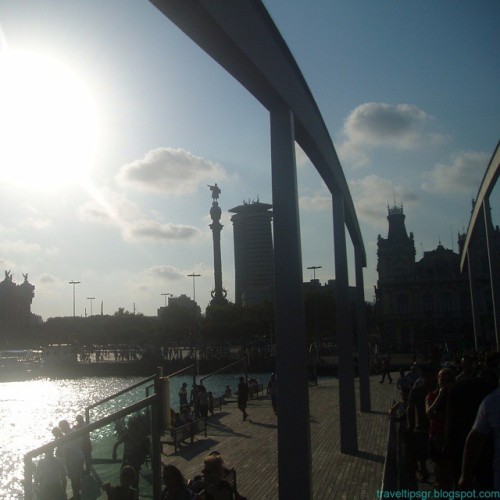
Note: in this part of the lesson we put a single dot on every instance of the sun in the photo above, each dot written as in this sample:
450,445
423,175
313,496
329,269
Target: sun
48,122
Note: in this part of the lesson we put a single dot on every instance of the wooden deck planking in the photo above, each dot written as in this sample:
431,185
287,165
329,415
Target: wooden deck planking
251,446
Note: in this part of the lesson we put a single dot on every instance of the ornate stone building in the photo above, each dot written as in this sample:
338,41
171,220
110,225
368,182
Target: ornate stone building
420,303
15,301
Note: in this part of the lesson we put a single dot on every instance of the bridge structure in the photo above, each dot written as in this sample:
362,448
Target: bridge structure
481,218
242,37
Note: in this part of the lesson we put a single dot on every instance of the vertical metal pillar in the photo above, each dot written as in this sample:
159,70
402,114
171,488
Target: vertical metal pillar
491,268
363,351
347,397
294,435
473,300
156,446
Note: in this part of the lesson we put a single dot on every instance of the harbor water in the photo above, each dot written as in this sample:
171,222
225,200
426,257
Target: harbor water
30,409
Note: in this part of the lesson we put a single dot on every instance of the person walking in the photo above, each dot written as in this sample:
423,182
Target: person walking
183,396
243,393
386,369
272,390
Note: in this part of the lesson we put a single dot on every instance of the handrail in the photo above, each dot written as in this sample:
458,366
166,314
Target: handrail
49,447
222,369
180,371
91,427
113,396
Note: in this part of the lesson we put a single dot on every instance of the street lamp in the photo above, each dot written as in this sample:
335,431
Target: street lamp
72,282
91,299
166,295
314,270
194,288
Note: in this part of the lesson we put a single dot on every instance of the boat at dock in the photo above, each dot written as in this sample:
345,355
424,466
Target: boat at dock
18,365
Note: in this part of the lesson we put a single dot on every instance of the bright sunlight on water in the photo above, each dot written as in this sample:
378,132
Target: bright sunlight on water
29,410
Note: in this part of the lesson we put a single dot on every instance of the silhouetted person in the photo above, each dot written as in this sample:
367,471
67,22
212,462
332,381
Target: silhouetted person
418,423
72,455
50,478
175,485
386,369
243,393
125,490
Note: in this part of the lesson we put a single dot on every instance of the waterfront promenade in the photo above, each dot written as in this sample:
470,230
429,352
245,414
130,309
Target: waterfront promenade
251,446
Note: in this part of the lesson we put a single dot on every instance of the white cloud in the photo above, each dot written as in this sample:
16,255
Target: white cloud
109,208
36,222
165,273
152,230
462,175
371,125
372,194
301,158
47,279
317,202
170,170
17,247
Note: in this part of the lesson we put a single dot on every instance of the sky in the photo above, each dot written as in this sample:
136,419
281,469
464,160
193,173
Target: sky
113,123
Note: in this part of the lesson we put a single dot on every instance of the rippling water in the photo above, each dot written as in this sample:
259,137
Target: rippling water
30,409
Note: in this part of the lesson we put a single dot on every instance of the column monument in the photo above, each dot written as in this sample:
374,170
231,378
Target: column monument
218,293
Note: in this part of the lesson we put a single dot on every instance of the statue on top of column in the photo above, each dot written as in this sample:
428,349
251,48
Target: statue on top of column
215,191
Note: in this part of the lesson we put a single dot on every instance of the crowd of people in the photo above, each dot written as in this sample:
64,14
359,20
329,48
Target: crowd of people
216,482
450,415
70,462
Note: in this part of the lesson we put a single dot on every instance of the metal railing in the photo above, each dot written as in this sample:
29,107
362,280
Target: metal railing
187,431
244,360
142,418
118,394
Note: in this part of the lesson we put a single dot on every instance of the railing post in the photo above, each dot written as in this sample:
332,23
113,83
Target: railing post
28,478
156,447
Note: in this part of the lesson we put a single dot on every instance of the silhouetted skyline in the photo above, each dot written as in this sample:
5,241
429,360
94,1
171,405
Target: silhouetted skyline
409,93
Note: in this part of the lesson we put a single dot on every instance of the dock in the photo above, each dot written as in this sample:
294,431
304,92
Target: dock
251,446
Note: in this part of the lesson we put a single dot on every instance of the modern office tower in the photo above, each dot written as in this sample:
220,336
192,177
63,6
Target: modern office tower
253,252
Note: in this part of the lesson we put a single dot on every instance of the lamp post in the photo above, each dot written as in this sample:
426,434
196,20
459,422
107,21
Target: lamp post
91,299
73,282
313,351
166,295
193,275
314,270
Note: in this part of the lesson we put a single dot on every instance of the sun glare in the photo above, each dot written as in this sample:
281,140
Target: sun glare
48,122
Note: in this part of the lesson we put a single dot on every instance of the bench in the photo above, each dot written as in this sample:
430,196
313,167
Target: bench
187,431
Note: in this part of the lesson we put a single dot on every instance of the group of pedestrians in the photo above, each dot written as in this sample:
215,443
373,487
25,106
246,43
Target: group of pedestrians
216,482
200,400
69,460
452,417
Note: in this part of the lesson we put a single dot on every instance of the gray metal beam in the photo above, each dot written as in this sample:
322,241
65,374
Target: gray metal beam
294,440
348,425
487,185
241,36
362,337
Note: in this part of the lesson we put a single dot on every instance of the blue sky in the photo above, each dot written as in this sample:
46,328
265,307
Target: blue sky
408,91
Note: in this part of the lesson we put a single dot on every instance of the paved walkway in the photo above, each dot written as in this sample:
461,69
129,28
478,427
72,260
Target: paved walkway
251,446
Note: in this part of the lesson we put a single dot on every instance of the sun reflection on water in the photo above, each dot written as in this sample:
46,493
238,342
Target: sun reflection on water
29,410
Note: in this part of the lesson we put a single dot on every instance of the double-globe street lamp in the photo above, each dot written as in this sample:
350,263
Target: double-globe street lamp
91,299
166,295
193,275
